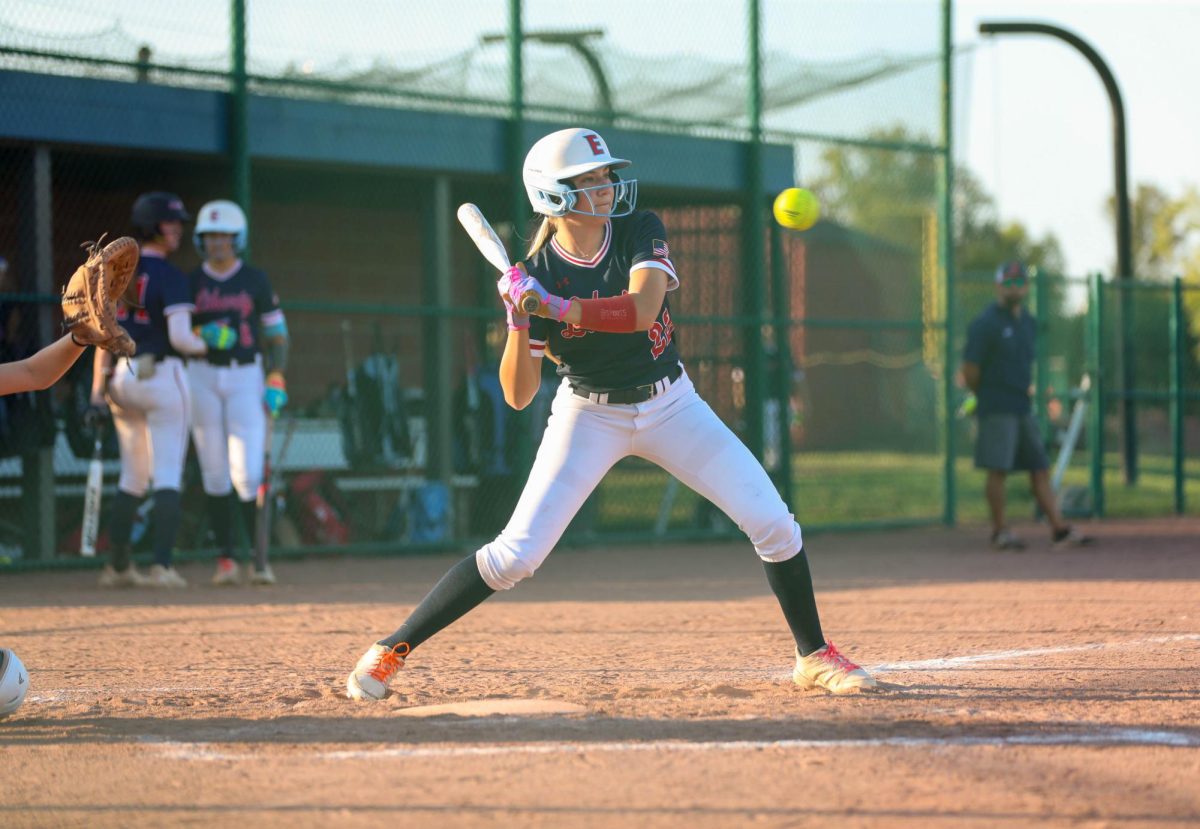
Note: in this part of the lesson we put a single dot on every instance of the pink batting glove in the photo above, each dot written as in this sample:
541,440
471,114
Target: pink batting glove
556,307
520,284
550,306
516,320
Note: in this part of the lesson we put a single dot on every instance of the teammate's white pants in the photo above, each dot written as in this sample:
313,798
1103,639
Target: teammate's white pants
676,430
151,418
229,426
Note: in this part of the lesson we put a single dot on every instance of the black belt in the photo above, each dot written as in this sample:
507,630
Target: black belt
637,394
225,362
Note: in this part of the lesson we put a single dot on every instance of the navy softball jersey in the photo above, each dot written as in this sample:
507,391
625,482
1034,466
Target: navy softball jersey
162,289
244,301
600,361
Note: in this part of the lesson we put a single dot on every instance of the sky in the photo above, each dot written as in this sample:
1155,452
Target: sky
1036,124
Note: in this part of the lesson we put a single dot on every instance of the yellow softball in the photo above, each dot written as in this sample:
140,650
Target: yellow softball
797,208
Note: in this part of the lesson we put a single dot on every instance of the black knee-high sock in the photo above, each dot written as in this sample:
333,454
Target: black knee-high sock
248,515
166,524
220,517
121,528
792,584
460,590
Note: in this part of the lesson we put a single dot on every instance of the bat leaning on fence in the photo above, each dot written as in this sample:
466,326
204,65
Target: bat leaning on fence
489,244
91,498
264,499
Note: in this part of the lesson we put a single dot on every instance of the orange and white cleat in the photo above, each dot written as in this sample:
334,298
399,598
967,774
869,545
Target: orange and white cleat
827,668
375,670
226,573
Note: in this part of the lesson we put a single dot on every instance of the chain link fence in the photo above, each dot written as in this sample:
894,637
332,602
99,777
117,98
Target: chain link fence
349,138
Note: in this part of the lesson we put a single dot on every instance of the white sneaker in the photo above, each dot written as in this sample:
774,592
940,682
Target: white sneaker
263,576
827,668
1071,537
227,572
160,576
129,577
374,672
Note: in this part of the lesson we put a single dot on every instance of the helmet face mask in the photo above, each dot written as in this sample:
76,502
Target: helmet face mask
221,216
558,158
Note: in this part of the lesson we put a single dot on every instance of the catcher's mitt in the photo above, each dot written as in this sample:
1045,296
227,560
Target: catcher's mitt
89,299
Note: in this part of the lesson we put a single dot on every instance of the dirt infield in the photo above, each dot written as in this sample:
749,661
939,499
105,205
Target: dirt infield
632,687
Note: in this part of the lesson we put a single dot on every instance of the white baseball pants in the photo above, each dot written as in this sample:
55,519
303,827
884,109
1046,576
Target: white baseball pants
151,419
676,430
229,426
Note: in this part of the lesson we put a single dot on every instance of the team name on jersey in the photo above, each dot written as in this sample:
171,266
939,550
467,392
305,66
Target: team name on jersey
208,301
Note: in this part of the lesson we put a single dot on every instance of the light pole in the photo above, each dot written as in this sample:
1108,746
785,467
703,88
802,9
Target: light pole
1124,232
576,42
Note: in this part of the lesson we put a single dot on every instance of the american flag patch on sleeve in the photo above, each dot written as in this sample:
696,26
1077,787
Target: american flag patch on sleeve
659,248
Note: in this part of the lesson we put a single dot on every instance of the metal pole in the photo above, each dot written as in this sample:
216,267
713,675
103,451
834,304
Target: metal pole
1177,327
1041,296
1125,274
37,250
523,449
239,144
946,254
516,119
782,381
753,240
1096,421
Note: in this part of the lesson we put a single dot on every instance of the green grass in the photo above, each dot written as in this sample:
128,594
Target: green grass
853,487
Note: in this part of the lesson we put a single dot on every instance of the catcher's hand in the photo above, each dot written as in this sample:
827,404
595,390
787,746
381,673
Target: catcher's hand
89,299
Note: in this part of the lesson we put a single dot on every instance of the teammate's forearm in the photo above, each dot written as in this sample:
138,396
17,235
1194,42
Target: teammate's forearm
42,370
277,354
183,338
102,365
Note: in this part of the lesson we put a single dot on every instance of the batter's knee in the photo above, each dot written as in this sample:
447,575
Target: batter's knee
247,488
216,487
501,565
778,539
133,483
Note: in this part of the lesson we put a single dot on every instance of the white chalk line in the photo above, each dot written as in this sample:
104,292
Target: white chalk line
929,665
949,663
201,752
67,694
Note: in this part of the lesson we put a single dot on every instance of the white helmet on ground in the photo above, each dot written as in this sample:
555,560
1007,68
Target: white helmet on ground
14,682
561,156
221,216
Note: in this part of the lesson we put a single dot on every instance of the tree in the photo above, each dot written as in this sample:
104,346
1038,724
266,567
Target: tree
888,193
1165,244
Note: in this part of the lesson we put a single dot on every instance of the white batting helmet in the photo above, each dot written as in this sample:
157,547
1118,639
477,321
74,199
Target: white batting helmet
561,156
220,216
14,682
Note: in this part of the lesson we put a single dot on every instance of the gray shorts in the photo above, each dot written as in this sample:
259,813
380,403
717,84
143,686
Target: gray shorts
1009,442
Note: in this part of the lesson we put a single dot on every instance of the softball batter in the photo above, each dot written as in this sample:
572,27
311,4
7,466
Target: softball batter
230,400
148,393
623,392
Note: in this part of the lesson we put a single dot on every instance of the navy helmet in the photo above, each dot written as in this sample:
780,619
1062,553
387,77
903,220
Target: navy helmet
151,209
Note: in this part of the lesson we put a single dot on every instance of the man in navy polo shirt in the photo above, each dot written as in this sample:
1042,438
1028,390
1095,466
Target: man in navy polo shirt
998,368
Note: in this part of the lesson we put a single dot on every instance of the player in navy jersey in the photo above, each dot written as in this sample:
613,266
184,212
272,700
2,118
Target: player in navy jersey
148,393
602,271
230,399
